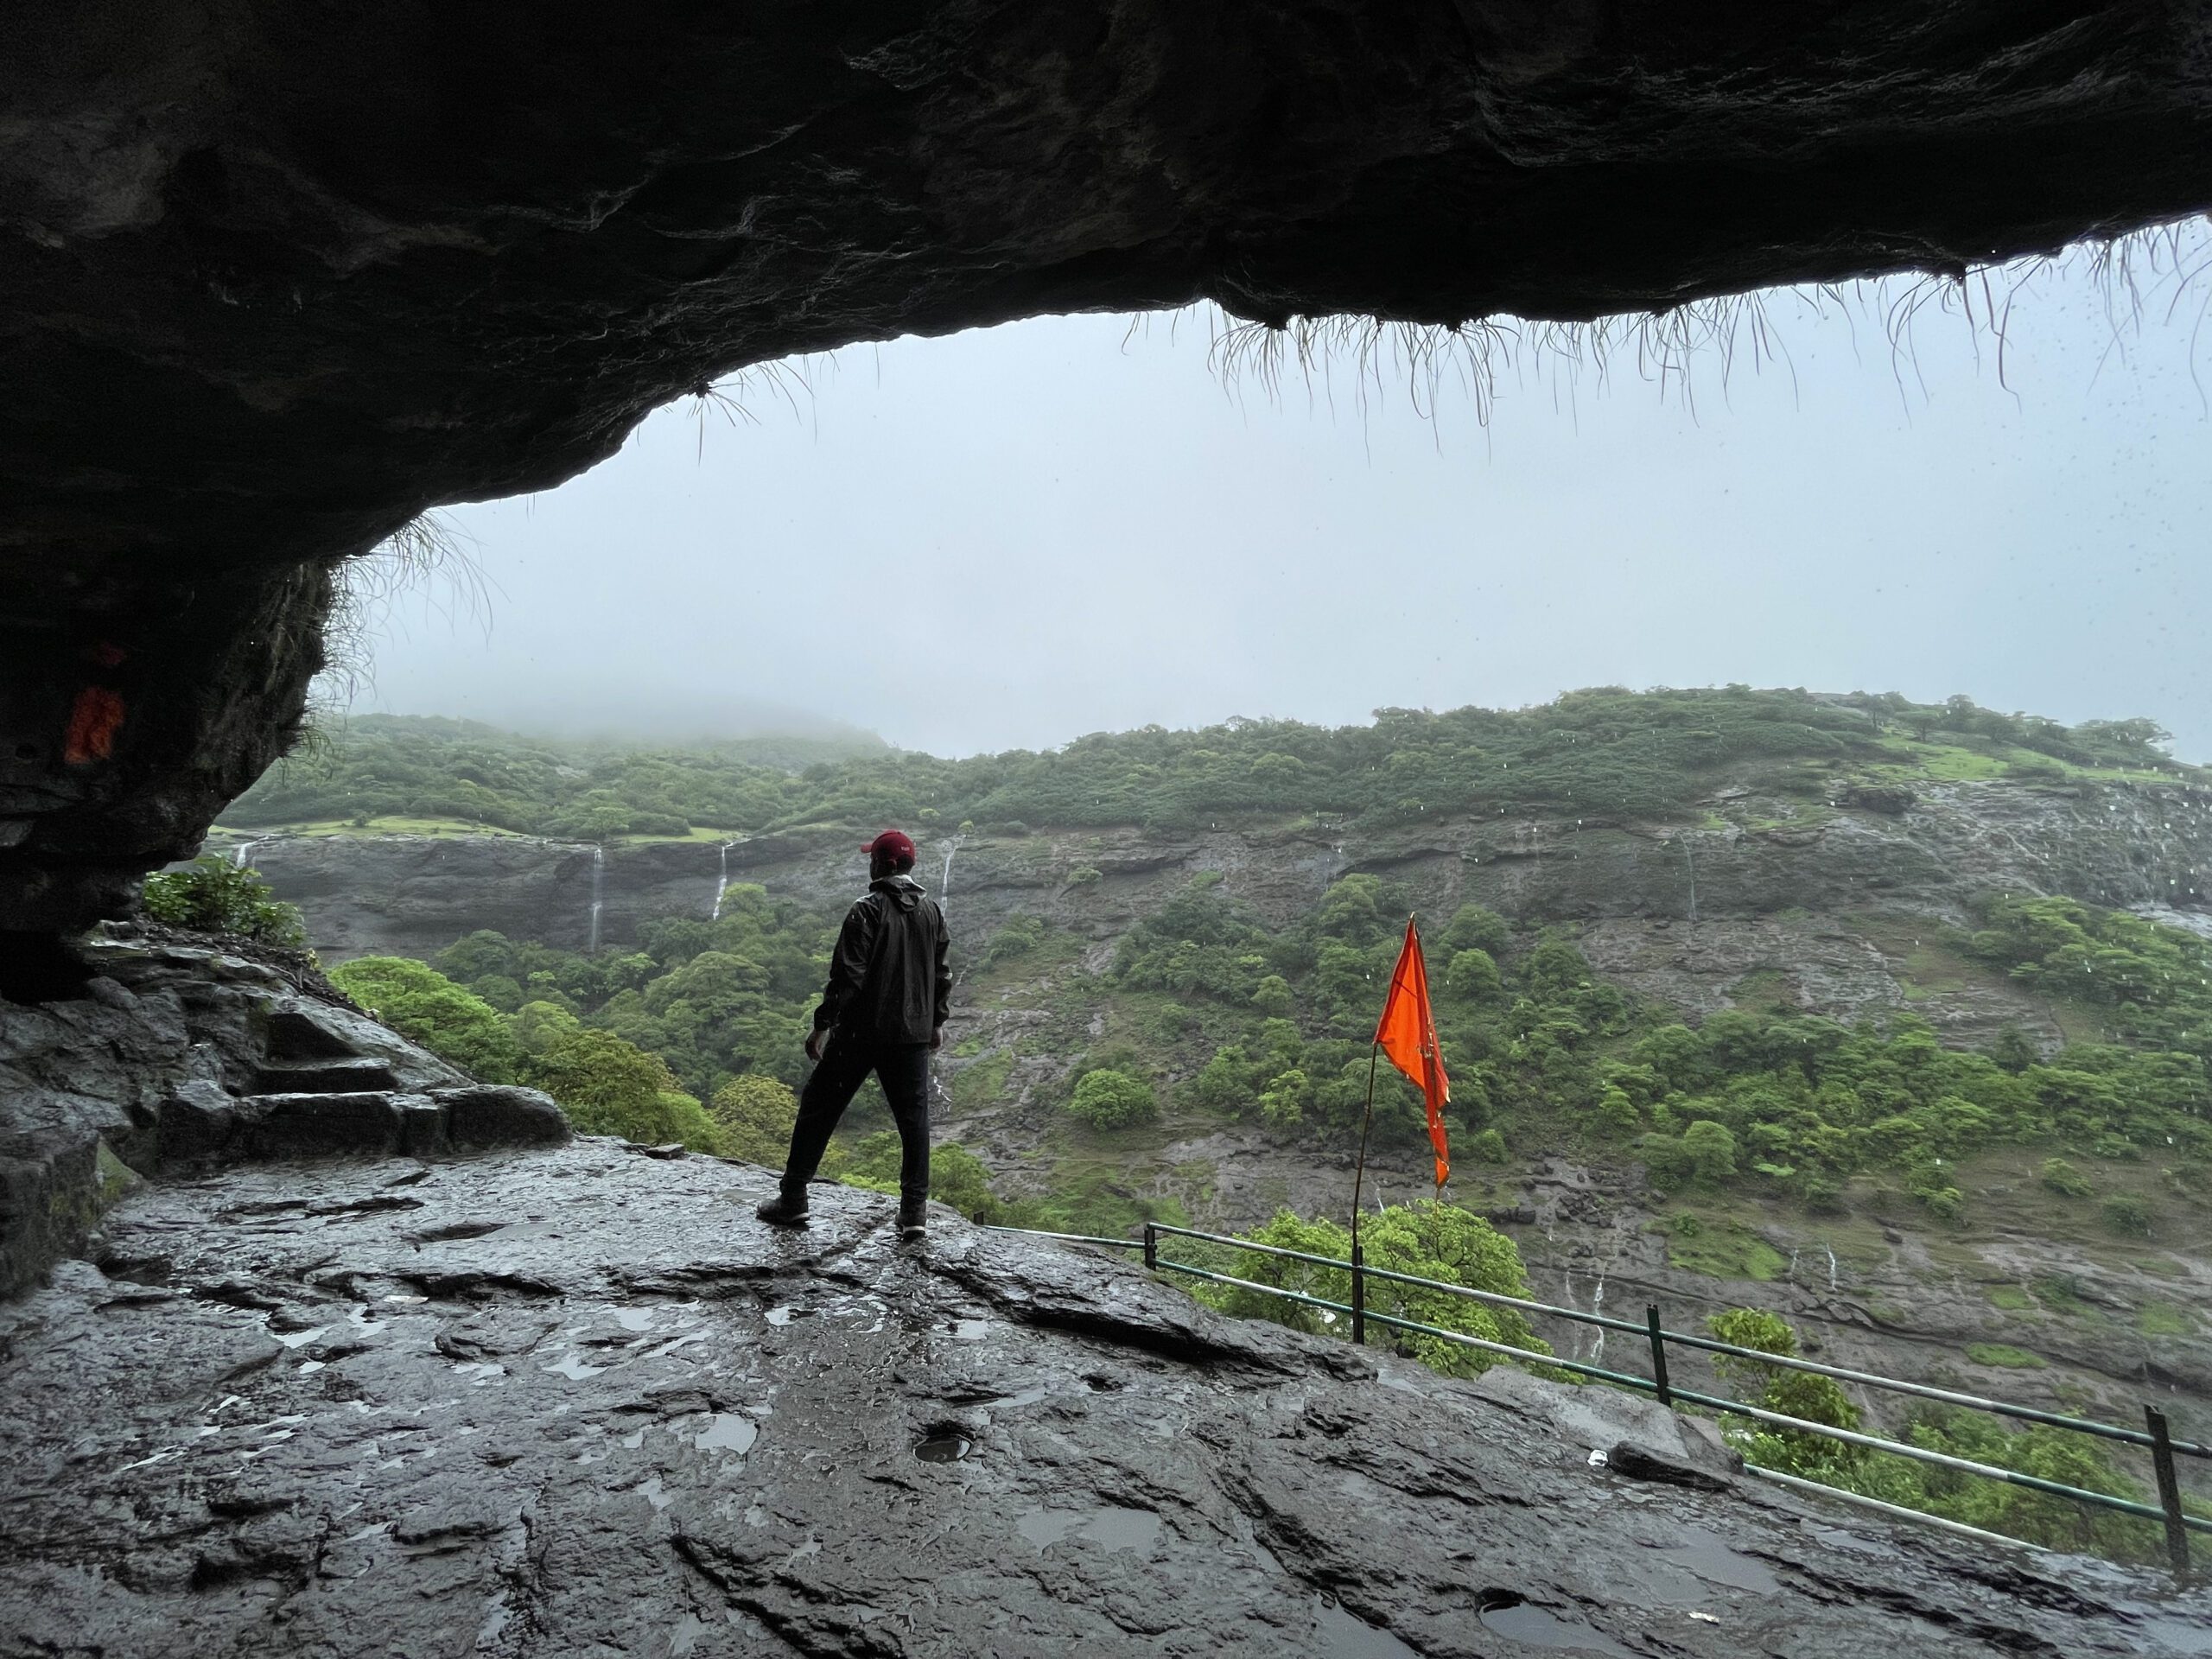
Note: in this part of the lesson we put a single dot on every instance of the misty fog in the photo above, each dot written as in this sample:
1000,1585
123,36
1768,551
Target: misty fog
1012,537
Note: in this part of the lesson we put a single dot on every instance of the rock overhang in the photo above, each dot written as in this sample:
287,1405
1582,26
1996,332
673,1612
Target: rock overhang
279,278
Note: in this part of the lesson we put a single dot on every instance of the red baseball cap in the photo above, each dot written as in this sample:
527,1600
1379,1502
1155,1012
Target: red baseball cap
894,844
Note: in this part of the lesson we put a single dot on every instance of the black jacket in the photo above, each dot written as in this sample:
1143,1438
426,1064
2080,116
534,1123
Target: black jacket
889,979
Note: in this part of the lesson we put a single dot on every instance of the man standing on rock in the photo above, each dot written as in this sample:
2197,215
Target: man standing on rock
883,1011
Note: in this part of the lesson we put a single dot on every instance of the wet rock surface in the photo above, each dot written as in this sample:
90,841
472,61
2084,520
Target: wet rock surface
577,1400
172,1055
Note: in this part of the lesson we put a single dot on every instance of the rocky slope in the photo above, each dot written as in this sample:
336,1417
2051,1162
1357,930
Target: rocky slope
168,1056
575,1400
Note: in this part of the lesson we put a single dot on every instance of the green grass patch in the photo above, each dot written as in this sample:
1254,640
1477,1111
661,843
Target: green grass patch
2163,1319
2004,1356
2010,1297
1726,1250
1942,763
981,1083
1763,988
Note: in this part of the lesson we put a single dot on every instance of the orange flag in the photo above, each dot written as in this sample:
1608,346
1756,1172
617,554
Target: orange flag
1407,1033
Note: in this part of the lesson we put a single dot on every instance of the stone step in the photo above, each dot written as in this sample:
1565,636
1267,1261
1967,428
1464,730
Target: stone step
351,1075
198,1124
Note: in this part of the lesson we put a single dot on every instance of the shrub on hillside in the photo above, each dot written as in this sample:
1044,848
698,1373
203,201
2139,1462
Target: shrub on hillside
209,895
2124,1212
1107,1099
425,1007
958,1176
755,1114
2064,1179
1426,1239
610,1087
1802,1395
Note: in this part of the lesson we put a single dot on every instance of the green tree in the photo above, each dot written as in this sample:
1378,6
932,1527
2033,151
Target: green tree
1108,1099
958,1176
425,1007
1710,1150
1227,1082
537,1026
1473,976
1803,1395
1424,1239
755,1114
1475,928
610,1087
1282,1103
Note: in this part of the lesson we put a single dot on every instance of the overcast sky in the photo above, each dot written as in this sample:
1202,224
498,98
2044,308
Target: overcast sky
1014,536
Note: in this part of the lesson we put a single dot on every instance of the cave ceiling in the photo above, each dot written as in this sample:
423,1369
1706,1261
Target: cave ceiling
277,275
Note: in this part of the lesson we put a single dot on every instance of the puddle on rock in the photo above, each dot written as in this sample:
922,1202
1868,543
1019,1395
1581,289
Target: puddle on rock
571,1365
1533,1627
970,1330
1113,1526
634,1319
943,1445
1705,1555
301,1338
728,1432
1346,1635
781,1316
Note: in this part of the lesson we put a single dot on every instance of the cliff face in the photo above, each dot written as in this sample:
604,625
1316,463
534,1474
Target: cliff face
277,280
1760,879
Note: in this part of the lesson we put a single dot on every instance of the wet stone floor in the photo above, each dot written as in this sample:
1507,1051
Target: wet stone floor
578,1401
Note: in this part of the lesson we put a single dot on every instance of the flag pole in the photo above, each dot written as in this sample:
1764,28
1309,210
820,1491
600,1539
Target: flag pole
1358,1181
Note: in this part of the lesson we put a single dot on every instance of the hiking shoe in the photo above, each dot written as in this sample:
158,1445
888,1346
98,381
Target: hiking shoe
784,1210
913,1221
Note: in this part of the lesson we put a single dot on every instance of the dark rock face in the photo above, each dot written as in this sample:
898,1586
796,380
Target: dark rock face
576,1401
277,279
175,1057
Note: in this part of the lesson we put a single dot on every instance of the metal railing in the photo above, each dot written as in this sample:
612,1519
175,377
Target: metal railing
2154,1436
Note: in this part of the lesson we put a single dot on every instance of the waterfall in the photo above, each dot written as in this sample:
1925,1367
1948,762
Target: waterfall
944,882
721,885
245,851
1598,1306
1831,1267
598,885
1689,856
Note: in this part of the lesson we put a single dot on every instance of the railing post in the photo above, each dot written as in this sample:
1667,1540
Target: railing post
1151,1249
2162,1461
1658,1353
1359,1293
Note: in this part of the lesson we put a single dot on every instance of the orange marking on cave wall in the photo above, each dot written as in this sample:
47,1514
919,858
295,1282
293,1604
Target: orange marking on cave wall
92,722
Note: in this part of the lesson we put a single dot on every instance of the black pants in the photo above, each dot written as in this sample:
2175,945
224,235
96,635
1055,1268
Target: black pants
904,1070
